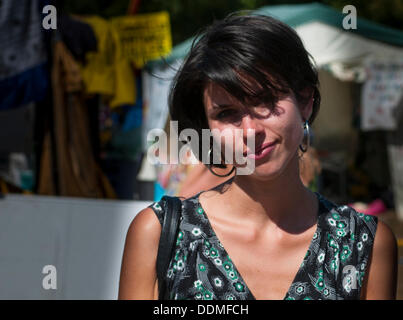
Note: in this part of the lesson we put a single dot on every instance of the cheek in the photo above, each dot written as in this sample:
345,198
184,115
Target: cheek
230,138
297,134
292,133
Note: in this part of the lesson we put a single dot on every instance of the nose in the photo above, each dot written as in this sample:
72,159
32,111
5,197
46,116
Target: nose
252,127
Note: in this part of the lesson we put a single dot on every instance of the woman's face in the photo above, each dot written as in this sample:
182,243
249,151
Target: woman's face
278,132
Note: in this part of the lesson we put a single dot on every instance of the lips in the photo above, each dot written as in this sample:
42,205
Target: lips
259,149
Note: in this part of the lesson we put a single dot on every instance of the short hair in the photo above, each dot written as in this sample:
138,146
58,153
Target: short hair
249,46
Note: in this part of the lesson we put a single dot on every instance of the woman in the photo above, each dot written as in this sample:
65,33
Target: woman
263,235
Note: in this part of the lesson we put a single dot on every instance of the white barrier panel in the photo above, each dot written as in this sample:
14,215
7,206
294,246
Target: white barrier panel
83,239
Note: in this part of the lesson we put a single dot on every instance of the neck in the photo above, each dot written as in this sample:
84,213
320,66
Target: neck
283,201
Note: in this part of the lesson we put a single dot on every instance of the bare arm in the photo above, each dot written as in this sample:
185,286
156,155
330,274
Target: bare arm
381,278
138,277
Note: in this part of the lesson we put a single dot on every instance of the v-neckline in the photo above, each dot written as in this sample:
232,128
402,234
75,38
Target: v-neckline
302,264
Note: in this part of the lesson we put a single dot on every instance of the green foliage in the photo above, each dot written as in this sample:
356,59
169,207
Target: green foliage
104,8
188,16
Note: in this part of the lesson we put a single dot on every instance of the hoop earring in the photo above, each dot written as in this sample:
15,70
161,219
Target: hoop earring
306,139
216,174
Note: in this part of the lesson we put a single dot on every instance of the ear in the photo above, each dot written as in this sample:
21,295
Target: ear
307,107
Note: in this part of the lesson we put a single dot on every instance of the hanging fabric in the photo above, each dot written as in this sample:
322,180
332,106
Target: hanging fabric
106,72
78,173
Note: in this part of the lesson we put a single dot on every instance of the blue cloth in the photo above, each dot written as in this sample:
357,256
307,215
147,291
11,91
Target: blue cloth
23,54
29,86
134,115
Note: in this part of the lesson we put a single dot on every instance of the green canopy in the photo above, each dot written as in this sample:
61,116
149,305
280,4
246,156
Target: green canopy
296,15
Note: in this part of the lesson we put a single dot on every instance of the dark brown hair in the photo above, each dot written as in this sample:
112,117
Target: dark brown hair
258,47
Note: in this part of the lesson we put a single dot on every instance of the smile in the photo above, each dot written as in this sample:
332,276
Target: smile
261,151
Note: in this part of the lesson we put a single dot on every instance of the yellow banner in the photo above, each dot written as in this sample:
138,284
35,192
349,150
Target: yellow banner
144,37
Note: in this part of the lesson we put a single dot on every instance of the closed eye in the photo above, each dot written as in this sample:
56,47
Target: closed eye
224,114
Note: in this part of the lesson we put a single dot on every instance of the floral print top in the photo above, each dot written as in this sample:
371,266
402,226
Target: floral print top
333,268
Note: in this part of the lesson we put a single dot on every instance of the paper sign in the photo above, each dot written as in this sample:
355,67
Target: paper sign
381,94
144,37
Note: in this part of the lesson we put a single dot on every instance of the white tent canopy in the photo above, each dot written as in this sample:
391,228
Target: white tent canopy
344,53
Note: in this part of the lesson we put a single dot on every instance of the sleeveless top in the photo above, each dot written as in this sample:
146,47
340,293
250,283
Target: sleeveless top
333,268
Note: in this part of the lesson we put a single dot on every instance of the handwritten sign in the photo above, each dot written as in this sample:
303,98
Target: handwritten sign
144,37
381,94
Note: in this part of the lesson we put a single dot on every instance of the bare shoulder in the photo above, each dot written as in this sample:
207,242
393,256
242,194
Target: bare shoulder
381,279
143,233
138,272
145,223
384,238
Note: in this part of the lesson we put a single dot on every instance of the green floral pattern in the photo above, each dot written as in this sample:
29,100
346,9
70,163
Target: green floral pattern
333,268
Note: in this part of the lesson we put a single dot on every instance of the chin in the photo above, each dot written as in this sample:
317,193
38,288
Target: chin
265,172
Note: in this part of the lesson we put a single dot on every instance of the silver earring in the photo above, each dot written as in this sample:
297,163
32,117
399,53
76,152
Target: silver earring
306,140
